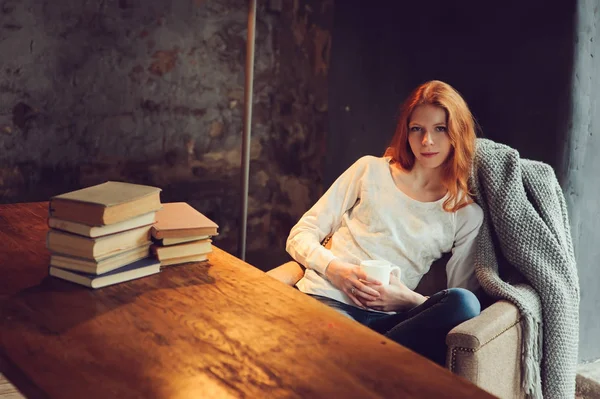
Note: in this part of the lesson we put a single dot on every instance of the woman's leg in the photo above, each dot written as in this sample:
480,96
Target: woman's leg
360,315
424,328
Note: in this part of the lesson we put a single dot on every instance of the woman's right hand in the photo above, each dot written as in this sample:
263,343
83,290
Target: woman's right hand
347,277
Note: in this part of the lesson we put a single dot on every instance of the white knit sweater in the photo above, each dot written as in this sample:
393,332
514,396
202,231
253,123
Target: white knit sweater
373,219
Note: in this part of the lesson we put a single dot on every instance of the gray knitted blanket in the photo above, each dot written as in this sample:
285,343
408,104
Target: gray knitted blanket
526,225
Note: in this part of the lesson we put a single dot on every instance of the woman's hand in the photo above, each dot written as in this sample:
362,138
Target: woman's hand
394,297
347,277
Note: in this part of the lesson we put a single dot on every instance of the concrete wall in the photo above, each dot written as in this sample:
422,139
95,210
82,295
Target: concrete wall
151,92
582,182
514,64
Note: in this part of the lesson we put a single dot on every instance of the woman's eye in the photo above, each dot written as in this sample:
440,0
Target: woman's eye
441,128
415,129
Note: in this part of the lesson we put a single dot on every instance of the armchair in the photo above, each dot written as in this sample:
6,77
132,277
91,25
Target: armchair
485,350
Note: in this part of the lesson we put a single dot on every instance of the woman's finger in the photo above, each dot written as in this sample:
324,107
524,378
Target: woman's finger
363,276
352,295
364,295
366,289
356,301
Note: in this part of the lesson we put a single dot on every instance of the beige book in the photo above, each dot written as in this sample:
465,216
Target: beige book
179,219
105,203
95,248
99,231
181,250
101,265
141,268
184,259
174,241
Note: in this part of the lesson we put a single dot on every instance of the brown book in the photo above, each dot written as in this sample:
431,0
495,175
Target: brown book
184,259
105,203
179,219
177,251
96,248
175,241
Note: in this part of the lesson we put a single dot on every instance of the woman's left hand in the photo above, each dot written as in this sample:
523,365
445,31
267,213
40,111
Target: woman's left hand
394,297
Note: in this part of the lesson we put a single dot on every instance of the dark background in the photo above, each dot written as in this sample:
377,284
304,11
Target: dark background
511,61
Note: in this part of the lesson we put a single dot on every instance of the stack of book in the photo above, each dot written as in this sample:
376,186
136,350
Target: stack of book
100,235
182,234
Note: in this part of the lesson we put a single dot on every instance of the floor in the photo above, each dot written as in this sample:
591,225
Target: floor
588,383
7,391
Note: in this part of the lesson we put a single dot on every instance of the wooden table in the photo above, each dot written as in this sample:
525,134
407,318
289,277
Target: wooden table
218,329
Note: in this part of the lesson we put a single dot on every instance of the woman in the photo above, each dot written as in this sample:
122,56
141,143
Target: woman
408,207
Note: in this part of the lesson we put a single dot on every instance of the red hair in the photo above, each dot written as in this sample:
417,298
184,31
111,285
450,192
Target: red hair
461,131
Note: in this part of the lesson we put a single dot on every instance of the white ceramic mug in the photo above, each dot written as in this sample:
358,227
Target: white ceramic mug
379,270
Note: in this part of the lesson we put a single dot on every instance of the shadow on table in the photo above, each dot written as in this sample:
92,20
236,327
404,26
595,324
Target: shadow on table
55,306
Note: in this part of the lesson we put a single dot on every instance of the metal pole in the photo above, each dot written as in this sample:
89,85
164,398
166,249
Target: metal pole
247,124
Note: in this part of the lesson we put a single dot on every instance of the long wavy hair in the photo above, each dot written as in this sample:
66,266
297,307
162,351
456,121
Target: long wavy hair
461,131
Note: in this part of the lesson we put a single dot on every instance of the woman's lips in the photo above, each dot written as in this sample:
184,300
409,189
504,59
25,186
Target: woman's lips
429,154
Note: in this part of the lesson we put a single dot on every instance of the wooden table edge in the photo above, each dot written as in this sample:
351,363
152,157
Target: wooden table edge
17,378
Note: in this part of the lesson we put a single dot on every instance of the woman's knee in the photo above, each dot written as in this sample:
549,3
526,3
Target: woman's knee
464,301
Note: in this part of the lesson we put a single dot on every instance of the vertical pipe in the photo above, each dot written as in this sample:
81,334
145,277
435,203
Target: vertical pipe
247,124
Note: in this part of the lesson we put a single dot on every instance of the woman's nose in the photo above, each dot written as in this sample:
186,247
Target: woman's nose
427,139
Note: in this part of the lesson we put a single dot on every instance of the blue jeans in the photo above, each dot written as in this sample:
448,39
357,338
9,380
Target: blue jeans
423,328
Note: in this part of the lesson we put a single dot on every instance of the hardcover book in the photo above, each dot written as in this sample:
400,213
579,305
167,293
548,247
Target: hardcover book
176,251
175,241
105,203
99,231
99,247
140,268
179,219
100,265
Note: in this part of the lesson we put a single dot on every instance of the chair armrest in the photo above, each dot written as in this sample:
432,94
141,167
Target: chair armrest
486,350
289,273
480,330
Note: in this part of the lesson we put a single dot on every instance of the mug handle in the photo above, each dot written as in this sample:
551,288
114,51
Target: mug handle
394,268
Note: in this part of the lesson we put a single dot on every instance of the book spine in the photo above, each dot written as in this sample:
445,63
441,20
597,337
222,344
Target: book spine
156,234
76,228
50,209
77,245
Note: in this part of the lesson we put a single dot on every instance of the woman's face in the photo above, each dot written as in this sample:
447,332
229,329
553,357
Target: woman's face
428,135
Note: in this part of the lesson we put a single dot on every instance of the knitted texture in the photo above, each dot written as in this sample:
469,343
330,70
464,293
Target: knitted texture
526,224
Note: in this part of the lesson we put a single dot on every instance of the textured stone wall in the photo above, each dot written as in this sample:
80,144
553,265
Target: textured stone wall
151,92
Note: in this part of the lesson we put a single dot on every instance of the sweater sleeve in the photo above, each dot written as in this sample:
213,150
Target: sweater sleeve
304,241
460,269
